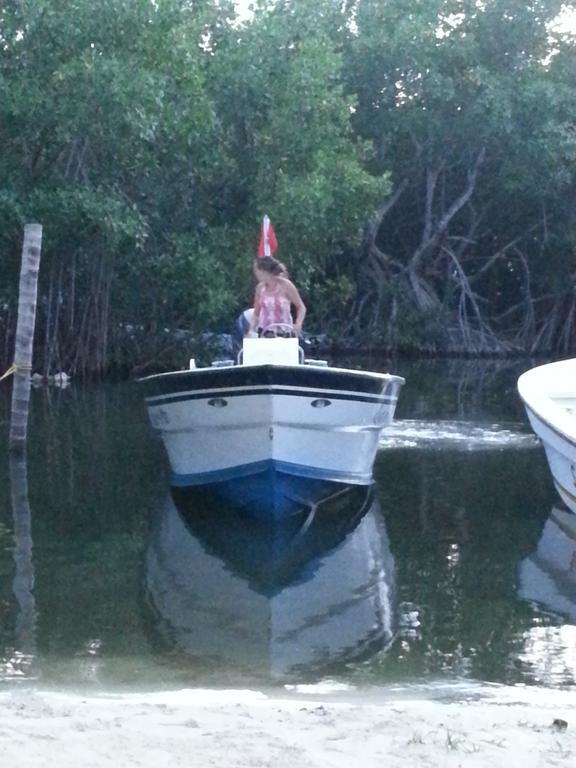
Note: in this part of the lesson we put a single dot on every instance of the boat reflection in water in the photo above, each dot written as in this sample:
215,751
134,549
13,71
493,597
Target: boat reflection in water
548,576
279,599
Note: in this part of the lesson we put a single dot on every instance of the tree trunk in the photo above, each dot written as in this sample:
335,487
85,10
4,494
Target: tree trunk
25,335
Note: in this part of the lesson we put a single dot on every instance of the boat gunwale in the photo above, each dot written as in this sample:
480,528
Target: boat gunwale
272,379
279,366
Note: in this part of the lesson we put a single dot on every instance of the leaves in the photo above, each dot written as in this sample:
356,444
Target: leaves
150,138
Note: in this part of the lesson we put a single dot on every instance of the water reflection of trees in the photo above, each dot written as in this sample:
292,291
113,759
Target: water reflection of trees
451,387
477,380
91,444
93,477
463,389
458,526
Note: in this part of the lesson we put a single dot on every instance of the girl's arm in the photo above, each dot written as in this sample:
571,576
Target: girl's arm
296,300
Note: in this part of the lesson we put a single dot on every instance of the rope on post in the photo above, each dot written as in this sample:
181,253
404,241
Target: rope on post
14,368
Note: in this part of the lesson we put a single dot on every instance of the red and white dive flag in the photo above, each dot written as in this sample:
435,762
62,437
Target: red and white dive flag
268,242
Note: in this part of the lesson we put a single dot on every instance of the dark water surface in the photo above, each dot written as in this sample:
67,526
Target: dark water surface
432,575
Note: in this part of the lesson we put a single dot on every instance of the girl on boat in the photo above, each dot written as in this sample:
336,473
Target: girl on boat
274,298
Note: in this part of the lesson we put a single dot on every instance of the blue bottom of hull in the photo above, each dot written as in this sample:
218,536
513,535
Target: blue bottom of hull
266,492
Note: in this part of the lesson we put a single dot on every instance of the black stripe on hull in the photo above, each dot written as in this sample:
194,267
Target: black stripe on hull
231,395
270,376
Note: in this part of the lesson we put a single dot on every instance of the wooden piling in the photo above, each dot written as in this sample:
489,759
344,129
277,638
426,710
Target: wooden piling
23,584
22,366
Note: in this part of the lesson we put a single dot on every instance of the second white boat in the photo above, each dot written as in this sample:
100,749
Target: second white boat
549,396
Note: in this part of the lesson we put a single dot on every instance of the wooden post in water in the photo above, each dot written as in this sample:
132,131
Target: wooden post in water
25,335
23,584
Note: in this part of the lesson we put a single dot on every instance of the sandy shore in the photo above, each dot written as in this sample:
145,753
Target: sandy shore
494,727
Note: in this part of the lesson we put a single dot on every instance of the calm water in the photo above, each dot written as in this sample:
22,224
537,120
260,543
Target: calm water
432,575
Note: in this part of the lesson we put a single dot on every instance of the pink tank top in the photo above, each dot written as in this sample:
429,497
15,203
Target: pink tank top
274,307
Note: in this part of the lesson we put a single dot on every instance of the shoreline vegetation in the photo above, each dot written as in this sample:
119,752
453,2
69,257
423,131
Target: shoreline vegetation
417,160
484,726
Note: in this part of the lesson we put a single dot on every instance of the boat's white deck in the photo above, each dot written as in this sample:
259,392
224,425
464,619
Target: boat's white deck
567,404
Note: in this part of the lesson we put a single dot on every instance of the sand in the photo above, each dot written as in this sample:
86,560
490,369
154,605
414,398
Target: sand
492,726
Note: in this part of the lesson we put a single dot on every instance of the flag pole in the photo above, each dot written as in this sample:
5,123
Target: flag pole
266,229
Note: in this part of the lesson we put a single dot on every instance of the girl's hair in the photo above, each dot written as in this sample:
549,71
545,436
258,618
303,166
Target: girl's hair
271,265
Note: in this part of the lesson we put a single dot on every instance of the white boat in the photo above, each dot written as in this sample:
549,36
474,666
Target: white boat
271,413
549,396
548,576
273,598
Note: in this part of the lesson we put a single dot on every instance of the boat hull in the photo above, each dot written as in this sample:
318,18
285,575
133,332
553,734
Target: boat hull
222,425
561,456
549,396
267,495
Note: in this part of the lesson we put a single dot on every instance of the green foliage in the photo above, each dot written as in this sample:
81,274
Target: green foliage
443,83
288,126
150,138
